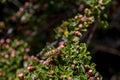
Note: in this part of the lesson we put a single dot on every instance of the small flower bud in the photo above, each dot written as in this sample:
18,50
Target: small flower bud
32,57
1,74
76,17
72,66
6,56
97,78
21,75
27,49
61,46
2,41
80,26
7,46
18,43
85,23
20,11
2,24
77,33
90,18
25,57
8,40
90,72
81,6
101,2
13,19
13,54
80,16
52,72
86,10
45,62
70,78
26,4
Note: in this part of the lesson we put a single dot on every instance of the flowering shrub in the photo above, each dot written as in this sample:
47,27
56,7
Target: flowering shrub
65,59
13,54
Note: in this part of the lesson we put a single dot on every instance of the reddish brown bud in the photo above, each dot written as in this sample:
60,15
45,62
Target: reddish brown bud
86,9
2,24
30,68
80,16
13,19
25,57
21,75
1,74
90,72
45,5
20,11
26,4
77,33
97,78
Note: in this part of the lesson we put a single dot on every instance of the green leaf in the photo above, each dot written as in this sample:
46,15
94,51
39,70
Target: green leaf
84,48
17,79
69,73
106,1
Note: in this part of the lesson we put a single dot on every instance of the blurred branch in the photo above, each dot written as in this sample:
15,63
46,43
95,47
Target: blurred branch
16,3
91,34
105,49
